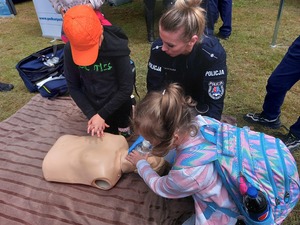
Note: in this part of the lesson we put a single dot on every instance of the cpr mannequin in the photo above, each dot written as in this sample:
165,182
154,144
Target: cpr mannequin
99,162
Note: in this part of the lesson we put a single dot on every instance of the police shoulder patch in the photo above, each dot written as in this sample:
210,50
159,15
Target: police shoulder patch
216,89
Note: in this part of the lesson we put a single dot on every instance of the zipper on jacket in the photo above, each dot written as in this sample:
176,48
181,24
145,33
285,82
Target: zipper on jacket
269,170
286,180
239,152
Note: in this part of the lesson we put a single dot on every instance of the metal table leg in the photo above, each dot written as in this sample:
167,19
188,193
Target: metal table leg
277,24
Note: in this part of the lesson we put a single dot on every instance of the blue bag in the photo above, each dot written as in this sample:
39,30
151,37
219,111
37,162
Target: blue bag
53,86
41,65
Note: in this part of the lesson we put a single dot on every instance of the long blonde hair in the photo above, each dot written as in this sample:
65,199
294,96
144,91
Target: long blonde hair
159,115
186,14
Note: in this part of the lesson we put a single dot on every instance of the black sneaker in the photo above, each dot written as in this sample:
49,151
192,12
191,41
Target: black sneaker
292,142
220,36
6,87
259,119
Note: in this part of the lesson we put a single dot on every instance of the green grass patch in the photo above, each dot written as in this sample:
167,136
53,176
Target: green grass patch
250,57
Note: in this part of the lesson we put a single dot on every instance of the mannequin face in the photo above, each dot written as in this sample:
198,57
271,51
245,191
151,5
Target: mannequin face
173,45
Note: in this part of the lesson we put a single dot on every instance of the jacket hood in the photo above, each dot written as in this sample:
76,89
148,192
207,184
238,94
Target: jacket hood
115,42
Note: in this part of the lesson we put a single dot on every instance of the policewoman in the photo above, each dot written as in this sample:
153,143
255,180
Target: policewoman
183,54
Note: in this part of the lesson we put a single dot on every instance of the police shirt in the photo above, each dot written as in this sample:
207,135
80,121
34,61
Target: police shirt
202,73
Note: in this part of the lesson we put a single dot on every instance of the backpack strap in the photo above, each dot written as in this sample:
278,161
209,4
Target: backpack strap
134,77
212,207
210,132
45,57
41,83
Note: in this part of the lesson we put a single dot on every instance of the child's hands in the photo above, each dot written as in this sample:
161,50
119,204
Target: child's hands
96,126
135,156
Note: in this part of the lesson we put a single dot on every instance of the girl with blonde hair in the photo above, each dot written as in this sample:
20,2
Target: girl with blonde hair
168,120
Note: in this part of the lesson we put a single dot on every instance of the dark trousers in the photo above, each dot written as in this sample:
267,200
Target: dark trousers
214,9
286,74
149,7
120,118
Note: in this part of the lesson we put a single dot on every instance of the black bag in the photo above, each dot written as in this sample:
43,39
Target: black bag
43,71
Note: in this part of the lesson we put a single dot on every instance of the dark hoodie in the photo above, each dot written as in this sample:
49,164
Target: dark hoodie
107,84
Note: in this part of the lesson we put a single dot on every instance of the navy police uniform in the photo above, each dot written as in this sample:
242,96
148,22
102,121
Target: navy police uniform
283,78
202,74
214,9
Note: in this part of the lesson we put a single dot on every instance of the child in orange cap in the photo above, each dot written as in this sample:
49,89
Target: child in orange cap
98,71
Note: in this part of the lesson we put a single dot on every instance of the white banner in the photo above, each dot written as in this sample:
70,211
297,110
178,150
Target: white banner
49,20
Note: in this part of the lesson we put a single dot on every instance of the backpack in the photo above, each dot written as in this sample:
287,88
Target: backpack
53,86
42,71
264,161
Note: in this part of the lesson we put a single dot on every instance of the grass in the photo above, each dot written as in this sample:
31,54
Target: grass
249,55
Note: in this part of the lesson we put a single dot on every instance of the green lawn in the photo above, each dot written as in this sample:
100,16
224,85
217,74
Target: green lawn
251,59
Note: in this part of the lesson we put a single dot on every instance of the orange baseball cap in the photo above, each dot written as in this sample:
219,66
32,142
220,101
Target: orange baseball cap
83,29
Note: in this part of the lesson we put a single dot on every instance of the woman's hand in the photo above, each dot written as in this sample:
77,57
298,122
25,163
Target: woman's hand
135,156
96,126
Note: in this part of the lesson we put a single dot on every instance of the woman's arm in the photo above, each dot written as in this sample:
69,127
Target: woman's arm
213,78
72,75
155,74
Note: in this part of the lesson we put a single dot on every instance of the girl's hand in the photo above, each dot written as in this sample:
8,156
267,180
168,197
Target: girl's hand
135,156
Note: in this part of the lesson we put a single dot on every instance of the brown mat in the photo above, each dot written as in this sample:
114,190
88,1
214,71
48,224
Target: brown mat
26,198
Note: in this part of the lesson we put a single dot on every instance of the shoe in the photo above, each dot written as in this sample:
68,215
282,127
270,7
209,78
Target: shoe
240,222
259,119
6,87
292,142
220,36
150,37
149,17
126,133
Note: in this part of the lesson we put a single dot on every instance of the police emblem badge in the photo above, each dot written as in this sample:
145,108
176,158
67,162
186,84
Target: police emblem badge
216,89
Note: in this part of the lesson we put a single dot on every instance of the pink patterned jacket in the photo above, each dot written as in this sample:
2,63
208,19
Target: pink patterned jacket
202,183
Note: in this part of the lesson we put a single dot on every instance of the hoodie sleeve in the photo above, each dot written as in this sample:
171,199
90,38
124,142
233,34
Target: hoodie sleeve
72,75
125,86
